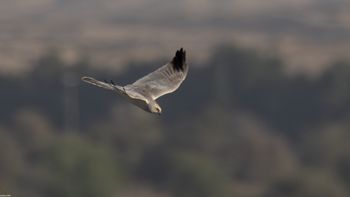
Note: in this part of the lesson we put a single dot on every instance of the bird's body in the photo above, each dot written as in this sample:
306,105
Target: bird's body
144,92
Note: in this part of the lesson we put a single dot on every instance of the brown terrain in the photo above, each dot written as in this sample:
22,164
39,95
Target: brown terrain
307,34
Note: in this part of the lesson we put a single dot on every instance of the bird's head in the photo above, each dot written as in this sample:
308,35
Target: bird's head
155,108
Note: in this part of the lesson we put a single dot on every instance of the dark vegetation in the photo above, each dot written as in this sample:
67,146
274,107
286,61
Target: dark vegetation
239,126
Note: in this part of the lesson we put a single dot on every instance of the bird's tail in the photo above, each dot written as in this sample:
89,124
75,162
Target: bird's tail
101,84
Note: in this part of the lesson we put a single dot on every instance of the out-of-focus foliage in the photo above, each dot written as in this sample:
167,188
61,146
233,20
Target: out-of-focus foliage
239,126
81,168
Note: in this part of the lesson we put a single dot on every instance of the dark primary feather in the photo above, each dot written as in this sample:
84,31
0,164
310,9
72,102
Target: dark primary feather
179,60
165,79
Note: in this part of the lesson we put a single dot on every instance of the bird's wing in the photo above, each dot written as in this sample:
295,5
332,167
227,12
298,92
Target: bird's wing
165,79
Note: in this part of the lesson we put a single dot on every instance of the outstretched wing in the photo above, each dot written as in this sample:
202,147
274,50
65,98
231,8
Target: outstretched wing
165,79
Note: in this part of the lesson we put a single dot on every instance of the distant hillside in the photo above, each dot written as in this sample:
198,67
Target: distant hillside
307,33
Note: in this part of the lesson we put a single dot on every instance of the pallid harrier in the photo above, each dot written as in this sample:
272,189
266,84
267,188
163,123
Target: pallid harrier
144,92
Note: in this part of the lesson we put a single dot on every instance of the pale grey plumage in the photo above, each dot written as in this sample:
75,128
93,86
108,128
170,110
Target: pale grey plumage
146,90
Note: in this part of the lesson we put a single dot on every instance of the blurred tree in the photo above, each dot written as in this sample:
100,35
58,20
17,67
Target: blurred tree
184,173
336,90
307,184
34,132
327,149
80,168
227,137
240,143
192,175
129,132
11,162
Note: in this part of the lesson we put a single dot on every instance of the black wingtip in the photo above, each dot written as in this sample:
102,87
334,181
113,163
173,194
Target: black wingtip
179,60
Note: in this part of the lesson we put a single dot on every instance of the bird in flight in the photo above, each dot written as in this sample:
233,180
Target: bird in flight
144,92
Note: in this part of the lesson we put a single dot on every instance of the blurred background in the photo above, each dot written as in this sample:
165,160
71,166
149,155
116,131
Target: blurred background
264,112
